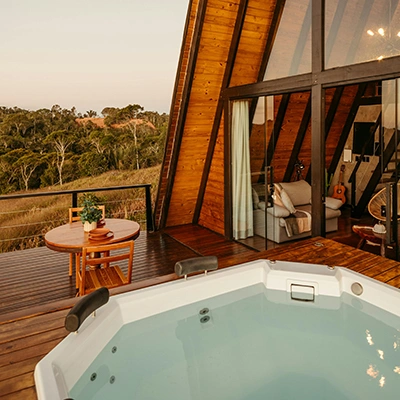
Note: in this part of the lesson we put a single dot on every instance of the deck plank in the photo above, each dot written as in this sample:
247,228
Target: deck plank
26,339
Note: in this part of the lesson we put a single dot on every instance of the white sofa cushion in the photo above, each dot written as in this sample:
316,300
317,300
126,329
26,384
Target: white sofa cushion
276,211
329,212
298,191
333,203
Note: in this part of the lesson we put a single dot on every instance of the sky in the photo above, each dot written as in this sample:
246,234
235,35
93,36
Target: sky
90,54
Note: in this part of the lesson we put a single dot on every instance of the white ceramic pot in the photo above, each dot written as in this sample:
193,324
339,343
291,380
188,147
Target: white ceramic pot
88,226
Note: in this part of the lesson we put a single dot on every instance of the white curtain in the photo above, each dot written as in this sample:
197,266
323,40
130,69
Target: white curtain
241,179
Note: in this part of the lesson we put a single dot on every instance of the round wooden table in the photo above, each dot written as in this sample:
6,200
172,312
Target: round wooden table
71,238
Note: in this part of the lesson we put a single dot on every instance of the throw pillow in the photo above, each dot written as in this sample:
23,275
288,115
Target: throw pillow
298,191
287,202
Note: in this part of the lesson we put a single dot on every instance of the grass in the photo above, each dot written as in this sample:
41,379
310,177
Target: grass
24,222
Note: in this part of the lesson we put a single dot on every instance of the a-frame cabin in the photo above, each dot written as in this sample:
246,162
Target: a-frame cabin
321,67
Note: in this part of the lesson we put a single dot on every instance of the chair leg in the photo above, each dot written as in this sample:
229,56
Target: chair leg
71,261
77,269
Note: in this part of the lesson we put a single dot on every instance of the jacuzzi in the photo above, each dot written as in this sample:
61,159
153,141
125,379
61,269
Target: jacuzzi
284,329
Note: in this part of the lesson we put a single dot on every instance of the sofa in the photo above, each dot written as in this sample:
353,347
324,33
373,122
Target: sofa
290,216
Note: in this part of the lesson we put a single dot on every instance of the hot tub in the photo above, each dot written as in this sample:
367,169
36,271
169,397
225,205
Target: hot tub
278,329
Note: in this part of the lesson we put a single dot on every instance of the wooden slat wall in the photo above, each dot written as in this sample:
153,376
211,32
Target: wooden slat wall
288,133
339,121
211,61
247,64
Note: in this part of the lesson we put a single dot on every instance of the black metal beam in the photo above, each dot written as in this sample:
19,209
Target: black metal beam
237,31
277,128
376,175
228,223
290,84
269,44
329,118
294,156
388,68
371,101
377,125
317,121
346,129
194,50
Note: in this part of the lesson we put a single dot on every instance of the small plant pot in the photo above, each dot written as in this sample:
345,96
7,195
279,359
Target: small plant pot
88,226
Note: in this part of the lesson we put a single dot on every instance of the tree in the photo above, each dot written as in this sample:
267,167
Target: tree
129,115
61,141
23,163
90,114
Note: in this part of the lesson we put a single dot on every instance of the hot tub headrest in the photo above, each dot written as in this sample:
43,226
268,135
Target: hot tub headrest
196,264
88,304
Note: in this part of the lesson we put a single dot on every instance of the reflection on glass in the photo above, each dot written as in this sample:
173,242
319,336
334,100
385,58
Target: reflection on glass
372,372
359,31
369,338
291,52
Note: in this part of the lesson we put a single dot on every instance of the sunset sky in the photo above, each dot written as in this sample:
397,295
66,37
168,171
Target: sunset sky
90,54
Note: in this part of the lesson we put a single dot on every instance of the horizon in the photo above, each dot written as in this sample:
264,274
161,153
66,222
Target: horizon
116,54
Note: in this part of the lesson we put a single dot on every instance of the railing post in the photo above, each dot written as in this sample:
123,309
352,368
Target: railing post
75,199
149,213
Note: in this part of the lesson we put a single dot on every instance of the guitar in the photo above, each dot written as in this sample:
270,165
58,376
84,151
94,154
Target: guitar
339,189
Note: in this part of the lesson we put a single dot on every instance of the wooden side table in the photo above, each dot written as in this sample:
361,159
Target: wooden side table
367,235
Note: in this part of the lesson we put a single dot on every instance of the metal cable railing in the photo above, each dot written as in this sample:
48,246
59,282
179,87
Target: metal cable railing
23,226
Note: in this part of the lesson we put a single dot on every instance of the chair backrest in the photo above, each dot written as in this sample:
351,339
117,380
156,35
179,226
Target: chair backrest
74,213
122,251
378,201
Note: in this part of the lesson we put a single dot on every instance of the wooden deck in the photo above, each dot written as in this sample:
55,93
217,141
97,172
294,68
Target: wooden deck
25,339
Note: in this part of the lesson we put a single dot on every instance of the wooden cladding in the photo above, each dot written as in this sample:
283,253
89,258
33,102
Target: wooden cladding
217,33
227,45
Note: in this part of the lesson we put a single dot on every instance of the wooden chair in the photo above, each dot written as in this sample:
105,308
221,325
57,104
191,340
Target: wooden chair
73,217
97,272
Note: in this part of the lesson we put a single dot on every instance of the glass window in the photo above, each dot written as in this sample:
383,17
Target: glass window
358,31
291,52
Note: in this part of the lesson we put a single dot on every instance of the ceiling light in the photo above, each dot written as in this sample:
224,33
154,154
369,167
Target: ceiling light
381,31
370,33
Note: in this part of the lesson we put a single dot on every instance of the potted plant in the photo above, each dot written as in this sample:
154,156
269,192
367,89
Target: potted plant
90,213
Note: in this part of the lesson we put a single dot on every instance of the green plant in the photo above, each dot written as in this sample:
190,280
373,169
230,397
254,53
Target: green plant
90,212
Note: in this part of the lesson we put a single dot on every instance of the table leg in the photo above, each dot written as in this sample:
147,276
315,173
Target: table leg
361,243
95,255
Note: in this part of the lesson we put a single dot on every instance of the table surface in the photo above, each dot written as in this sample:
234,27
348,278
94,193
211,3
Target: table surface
367,232
71,238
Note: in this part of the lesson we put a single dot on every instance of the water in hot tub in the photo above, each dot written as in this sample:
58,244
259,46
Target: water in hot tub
254,345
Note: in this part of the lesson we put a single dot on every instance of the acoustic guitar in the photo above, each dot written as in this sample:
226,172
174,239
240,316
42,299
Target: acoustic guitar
339,189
